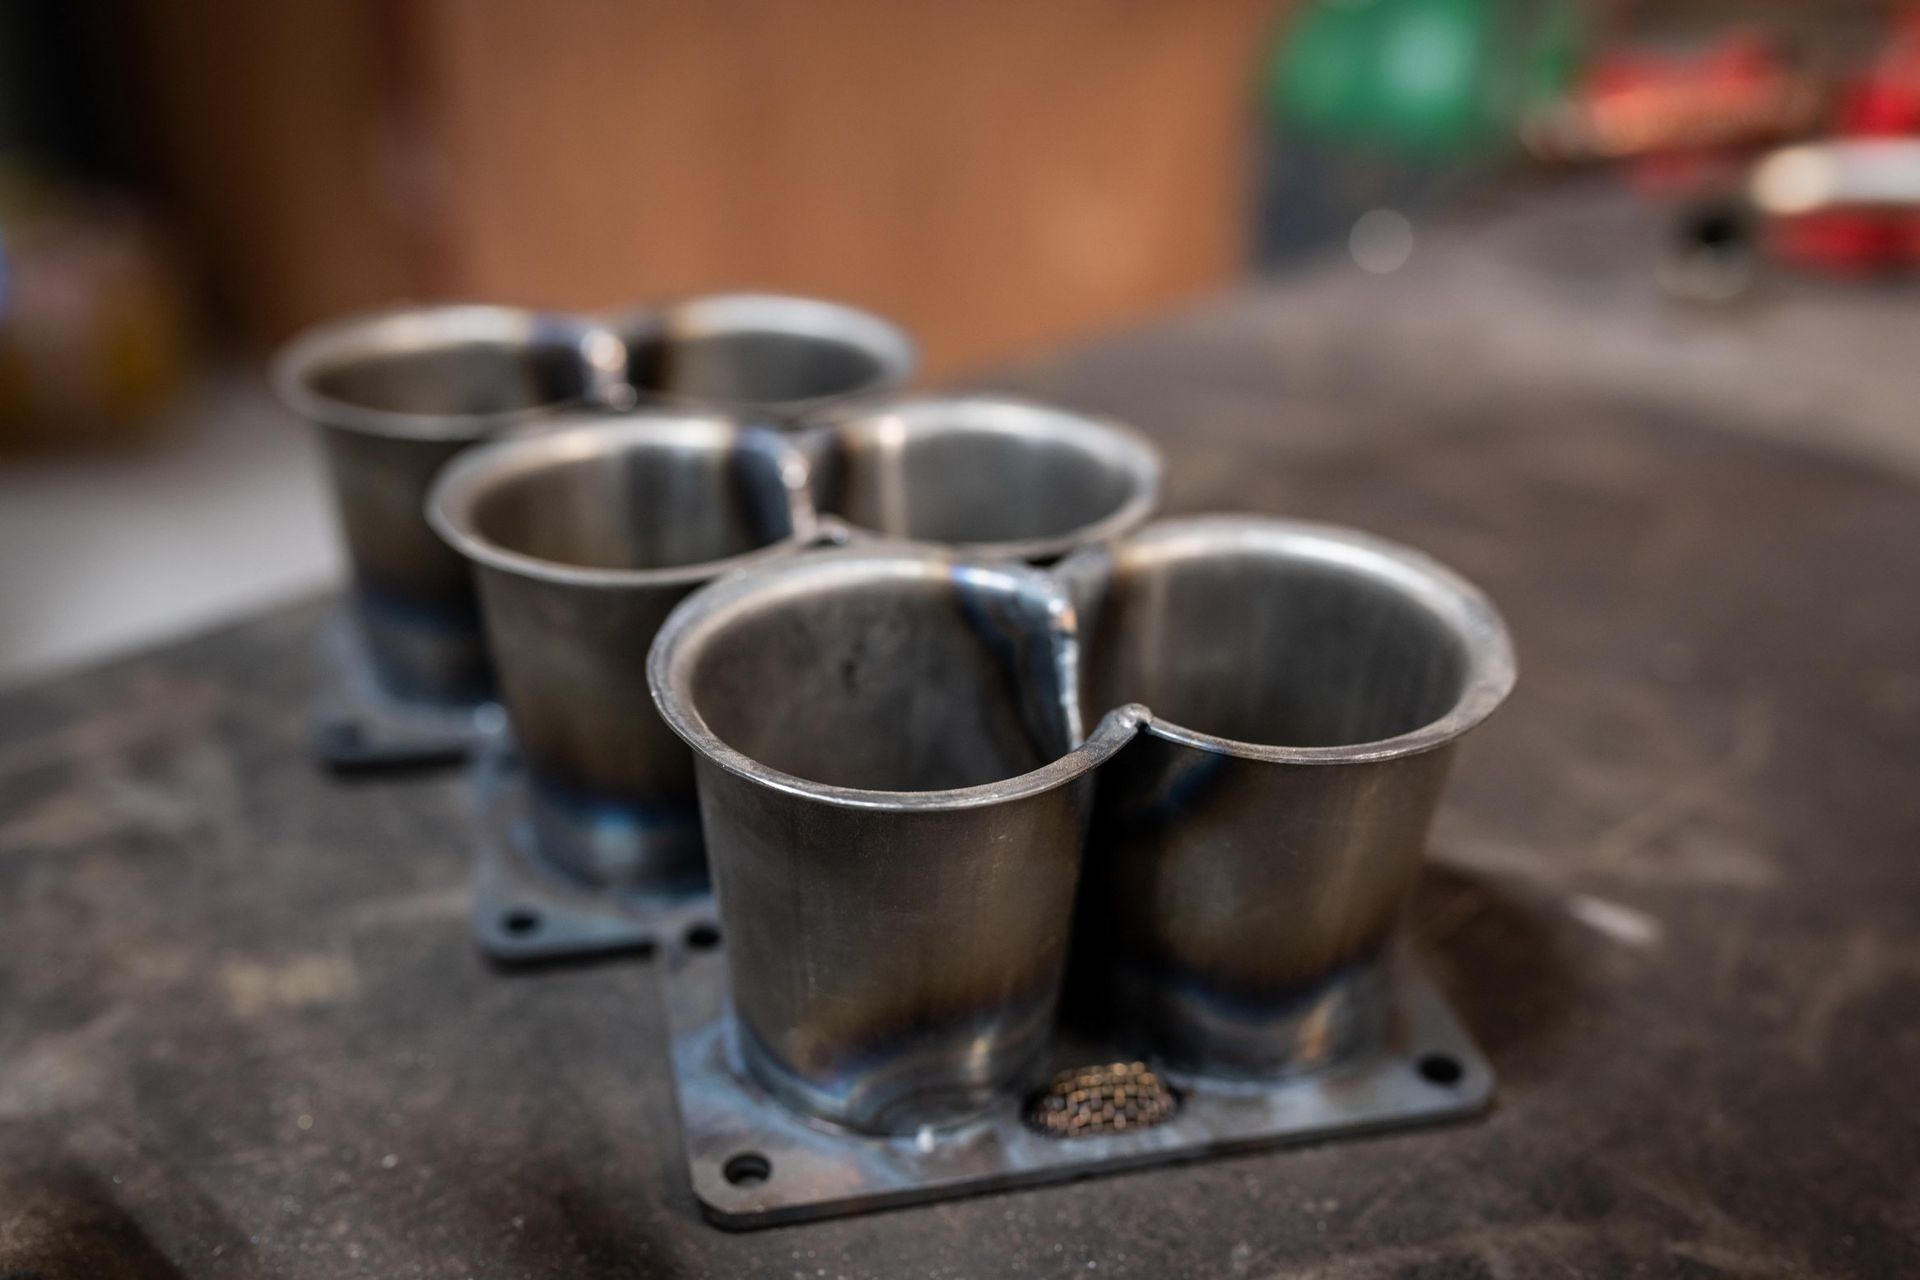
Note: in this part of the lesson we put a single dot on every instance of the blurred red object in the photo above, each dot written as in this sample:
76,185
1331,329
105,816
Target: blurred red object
1882,100
1683,115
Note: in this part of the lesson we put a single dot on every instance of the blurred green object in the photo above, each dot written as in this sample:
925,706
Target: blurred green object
1319,78
1432,78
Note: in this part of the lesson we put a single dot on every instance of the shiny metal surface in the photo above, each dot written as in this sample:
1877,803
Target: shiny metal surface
583,539
767,357
990,477
396,395
1252,847
755,1162
524,911
894,793
893,799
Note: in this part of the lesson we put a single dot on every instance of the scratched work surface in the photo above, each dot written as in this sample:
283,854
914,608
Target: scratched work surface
1676,889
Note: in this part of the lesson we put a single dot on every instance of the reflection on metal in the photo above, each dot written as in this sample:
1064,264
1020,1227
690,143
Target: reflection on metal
895,835
398,395
983,476
585,535
395,396
1253,844
900,839
583,538
525,910
762,357
755,1162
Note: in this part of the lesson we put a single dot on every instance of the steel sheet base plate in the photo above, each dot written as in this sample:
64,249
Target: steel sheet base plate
358,725
755,1163
524,912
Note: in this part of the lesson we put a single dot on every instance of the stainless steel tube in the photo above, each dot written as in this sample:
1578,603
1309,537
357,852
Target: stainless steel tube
395,396
894,792
766,357
583,540
990,477
1253,846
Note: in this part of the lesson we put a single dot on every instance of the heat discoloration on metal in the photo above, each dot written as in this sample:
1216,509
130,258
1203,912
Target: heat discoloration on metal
357,723
895,849
583,539
526,910
767,358
1253,847
1614,476
989,477
896,870
396,396
756,1162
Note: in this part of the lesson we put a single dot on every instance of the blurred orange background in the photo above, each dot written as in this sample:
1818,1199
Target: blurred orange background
997,174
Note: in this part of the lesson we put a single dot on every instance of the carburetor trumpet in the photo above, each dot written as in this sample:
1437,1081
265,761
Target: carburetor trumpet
1184,777
398,395
584,537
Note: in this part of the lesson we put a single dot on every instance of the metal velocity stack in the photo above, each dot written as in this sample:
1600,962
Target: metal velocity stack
1025,874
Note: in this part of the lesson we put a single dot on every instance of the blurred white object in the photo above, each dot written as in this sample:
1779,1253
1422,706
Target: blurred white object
105,553
1843,174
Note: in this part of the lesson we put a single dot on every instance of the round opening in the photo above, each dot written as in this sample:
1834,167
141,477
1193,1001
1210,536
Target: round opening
978,474
702,936
1441,1069
751,366
520,921
1279,650
632,503
893,676
459,379
748,1169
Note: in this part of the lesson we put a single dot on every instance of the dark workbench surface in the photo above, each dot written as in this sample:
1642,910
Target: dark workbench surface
1675,890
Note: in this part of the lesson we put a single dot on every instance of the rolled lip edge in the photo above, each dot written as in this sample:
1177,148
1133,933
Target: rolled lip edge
708,314
1136,454
451,499
293,363
1115,729
1492,666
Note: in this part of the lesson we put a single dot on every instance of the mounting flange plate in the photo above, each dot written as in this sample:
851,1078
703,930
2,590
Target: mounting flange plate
755,1163
359,725
525,912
